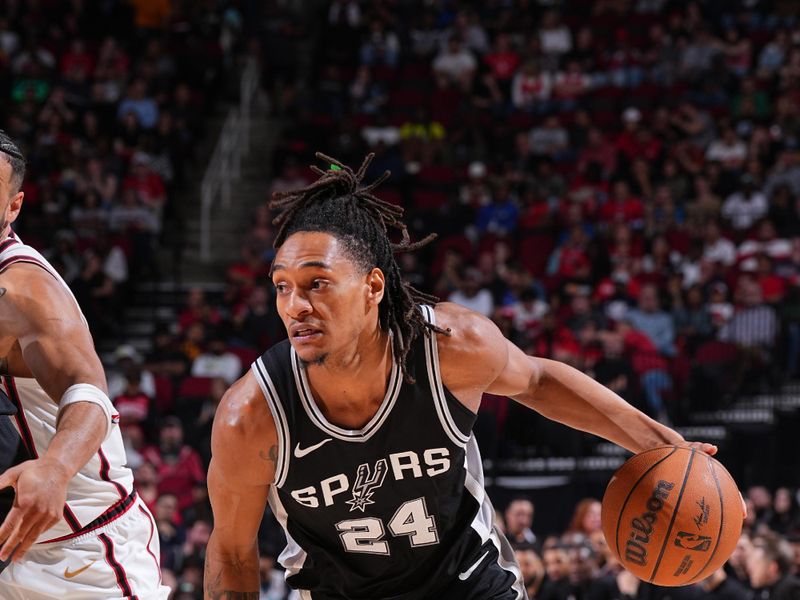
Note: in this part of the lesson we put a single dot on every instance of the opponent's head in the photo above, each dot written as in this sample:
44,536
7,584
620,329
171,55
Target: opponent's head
335,273
12,172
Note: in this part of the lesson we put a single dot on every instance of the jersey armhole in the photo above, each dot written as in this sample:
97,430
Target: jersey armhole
458,437
279,416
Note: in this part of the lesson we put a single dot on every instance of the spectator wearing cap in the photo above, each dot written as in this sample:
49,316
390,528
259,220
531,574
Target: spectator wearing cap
178,466
217,361
128,361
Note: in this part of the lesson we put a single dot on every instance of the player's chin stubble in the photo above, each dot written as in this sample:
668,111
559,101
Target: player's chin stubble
317,362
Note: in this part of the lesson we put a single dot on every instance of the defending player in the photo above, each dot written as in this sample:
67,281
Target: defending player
76,529
357,429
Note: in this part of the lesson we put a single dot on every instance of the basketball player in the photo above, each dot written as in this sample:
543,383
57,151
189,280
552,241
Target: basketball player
76,529
357,428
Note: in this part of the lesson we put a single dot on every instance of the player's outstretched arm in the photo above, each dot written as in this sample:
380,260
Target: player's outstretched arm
476,358
56,347
244,454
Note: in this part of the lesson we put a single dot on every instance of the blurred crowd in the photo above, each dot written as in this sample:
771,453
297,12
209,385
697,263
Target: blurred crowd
108,102
578,563
616,183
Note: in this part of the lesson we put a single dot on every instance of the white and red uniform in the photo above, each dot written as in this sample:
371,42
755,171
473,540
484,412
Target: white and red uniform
103,520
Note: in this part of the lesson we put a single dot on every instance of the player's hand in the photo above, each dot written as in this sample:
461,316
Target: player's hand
711,450
40,492
627,583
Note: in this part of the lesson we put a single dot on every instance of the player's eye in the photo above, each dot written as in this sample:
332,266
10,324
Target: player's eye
318,284
281,288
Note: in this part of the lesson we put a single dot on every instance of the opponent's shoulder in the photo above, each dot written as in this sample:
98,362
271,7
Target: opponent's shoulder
29,293
474,352
244,430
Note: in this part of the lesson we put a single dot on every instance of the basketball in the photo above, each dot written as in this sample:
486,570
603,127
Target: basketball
672,515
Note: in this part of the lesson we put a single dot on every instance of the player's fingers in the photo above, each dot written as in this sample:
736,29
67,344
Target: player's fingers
11,538
744,506
709,449
10,523
10,476
27,538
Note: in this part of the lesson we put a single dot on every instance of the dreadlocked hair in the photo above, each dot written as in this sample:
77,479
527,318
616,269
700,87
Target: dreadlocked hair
338,204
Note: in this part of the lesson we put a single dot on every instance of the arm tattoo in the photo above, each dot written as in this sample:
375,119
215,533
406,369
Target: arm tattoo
212,581
272,456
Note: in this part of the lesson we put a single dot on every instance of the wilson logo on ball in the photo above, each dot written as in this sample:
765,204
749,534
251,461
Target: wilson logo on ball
642,526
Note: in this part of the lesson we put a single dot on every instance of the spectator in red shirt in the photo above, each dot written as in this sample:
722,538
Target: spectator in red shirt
503,60
650,366
622,207
179,467
77,59
597,150
198,310
135,408
570,260
145,182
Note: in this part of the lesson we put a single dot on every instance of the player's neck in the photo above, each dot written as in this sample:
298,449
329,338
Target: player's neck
347,379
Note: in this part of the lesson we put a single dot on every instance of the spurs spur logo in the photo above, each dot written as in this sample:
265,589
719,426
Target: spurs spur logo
366,484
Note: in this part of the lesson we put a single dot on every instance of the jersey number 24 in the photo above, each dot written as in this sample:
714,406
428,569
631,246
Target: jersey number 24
411,519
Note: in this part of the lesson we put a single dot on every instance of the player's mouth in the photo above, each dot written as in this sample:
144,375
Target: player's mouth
304,333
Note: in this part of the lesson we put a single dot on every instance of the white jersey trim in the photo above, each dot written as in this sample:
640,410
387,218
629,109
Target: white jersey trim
293,556
483,523
437,389
348,435
279,417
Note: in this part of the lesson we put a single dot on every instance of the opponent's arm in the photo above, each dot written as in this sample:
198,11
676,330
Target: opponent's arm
57,349
476,358
244,455
13,364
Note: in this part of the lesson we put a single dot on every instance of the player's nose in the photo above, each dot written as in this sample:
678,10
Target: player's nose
298,305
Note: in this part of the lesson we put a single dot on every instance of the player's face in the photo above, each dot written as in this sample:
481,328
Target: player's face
10,199
324,299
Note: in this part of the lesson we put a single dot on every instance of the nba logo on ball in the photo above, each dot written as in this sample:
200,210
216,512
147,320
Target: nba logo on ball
672,515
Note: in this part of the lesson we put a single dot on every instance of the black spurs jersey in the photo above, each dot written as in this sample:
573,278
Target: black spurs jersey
395,510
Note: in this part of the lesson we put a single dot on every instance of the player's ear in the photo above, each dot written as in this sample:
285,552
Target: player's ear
14,206
376,285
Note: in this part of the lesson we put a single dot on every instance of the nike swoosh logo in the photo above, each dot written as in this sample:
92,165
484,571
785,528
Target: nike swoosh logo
301,452
465,575
70,575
